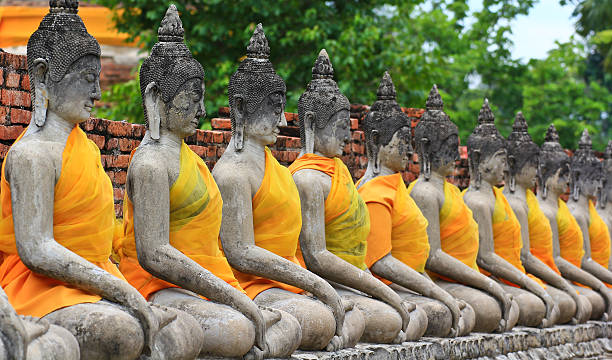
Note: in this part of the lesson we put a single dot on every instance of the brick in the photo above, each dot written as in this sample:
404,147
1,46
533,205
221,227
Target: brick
119,128
354,124
118,194
358,135
220,151
357,148
101,125
10,132
463,153
217,137
227,136
138,131
3,150
280,142
292,155
293,142
1,77
120,177
207,137
98,139
88,125
202,151
117,161
25,82
12,80
127,145
3,111
16,98
221,123
112,143
291,117
347,149
110,174
415,168
211,150
119,210
19,116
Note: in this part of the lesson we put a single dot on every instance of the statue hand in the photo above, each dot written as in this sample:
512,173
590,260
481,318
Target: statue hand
607,295
552,311
263,319
406,307
506,309
138,307
254,354
581,315
400,338
335,344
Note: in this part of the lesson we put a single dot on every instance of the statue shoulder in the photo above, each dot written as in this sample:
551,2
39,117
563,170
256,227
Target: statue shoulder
35,156
308,179
426,192
477,201
148,162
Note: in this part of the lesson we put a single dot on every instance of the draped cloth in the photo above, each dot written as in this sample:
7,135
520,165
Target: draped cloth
571,240
277,222
404,233
347,222
83,222
195,220
540,233
599,237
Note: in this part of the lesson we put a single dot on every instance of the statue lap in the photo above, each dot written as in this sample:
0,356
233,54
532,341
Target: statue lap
567,305
439,317
598,305
55,343
532,308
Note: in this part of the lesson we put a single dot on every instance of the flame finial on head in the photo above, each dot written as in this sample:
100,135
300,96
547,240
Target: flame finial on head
608,151
520,124
258,45
551,134
486,114
386,89
434,100
323,68
585,142
68,6
171,27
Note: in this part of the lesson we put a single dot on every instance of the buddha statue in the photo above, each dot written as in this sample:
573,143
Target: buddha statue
262,218
398,246
567,237
604,207
57,221
536,234
499,231
585,179
172,215
335,220
29,338
451,231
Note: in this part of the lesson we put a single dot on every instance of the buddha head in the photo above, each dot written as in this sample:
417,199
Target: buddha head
554,168
172,82
486,150
387,130
324,112
436,138
606,186
585,169
523,155
256,96
63,65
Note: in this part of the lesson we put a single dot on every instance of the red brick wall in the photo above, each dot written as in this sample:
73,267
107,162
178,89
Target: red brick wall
117,139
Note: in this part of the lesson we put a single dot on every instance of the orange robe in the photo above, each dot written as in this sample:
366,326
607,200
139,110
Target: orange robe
599,237
277,222
83,222
540,233
195,220
401,228
571,240
347,222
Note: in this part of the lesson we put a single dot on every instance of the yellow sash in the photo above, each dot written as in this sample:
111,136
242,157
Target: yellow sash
540,233
83,222
277,222
599,237
195,220
570,236
347,222
407,236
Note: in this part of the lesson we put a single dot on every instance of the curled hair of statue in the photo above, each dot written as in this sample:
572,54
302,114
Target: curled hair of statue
60,40
170,64
322,96
432,131
521,148
584,165
484,141
254,80
552,158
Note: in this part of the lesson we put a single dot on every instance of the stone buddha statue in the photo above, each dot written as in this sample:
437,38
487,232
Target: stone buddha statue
335,221
398,246
567,237
57,222
172,215
536,234
262,218
451,230
604,207
499,230
585,180
25,337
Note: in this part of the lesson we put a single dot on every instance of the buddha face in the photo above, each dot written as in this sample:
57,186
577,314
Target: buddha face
589,185
73,97
492,168
262,125
527,175
559,182
447,155
331,140
182,114
396,154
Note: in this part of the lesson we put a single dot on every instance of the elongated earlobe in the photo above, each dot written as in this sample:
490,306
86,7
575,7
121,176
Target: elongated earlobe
511,166
375,153
309,132
151,99
41,93
239,113
476,166
575,190
425,161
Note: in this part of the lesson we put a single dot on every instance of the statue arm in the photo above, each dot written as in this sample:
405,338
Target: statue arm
12,329
321,261
32,199
588,264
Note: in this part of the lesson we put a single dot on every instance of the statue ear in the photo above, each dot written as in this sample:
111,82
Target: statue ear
512,172
475,167
239,112
425,161
41,93
309,132
575,189
376,151
151,102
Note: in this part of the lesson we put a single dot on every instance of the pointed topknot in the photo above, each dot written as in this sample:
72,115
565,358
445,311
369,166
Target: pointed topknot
258,45
323,68
585,140
434,100
386,89
520,124
486,115
67,6
171,27
608,151
551,134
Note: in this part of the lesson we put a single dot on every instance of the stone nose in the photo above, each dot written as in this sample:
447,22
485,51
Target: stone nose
283,120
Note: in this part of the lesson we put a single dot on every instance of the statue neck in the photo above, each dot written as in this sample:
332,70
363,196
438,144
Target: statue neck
55,127
383,170
435,178
249,146
484,185
166,137
583,200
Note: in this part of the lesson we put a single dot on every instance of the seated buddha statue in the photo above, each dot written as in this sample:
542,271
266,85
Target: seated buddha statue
398,246
57,221
499,231
452,232
604,207
585,179
567,237
335,220
29,338
262,217
536,234
172,215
